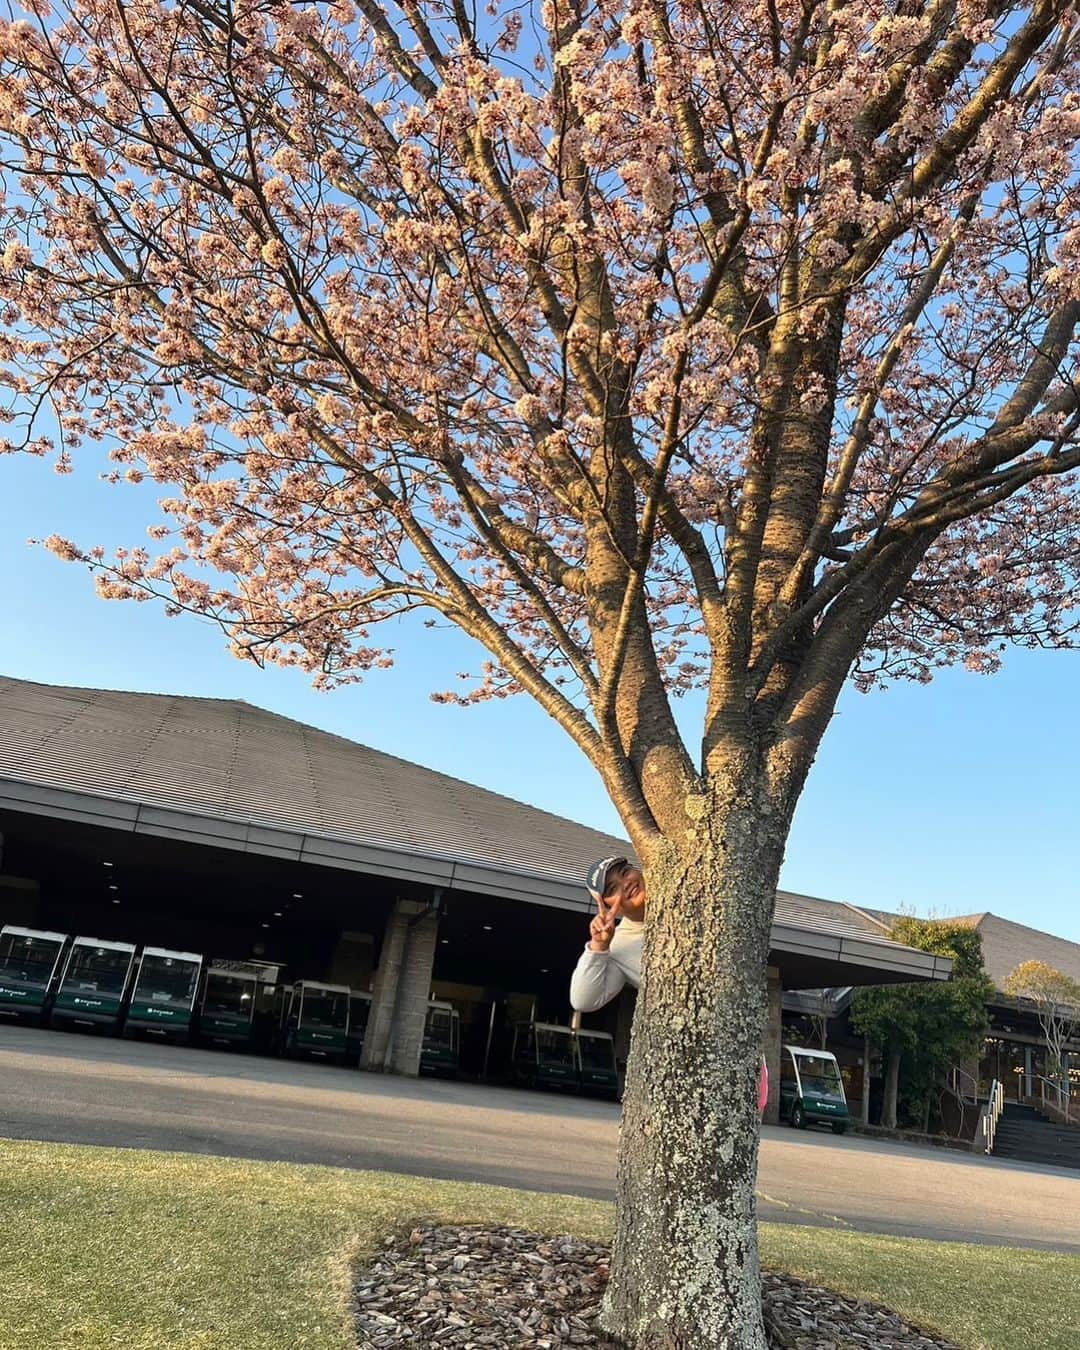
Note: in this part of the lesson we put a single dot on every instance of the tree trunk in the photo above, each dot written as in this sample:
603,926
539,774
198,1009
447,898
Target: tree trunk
684,1273
892,1081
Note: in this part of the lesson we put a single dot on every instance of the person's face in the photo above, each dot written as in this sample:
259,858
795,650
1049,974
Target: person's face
629,890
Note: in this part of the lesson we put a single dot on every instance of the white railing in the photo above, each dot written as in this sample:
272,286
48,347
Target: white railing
958,1090
1060,1094
991,1115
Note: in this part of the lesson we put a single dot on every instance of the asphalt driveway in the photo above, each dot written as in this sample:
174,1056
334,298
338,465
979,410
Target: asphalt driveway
83,1089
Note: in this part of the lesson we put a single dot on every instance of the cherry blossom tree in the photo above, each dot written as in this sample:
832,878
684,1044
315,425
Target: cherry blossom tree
656,344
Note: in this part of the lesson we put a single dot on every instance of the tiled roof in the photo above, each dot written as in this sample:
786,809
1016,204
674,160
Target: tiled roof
807,911
1005,944
225,758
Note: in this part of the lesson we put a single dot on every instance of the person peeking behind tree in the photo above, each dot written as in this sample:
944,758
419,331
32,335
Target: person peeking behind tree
612,958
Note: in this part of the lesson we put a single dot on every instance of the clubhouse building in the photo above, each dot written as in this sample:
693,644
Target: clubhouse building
214,827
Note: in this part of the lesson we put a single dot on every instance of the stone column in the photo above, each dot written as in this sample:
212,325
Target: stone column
384,990
399,999
414,990
773,1026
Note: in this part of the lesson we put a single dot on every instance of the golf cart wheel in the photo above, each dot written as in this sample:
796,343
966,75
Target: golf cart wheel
798,1117
839,1127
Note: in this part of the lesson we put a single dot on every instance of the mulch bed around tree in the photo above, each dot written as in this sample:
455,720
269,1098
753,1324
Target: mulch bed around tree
472,1288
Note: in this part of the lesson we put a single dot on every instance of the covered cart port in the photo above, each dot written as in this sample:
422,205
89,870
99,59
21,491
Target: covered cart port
244,851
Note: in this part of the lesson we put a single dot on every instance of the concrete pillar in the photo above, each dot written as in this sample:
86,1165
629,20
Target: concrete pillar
384,991
399,1000
414,990
773,1025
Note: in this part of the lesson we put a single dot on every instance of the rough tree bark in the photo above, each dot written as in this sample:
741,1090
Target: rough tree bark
689,1142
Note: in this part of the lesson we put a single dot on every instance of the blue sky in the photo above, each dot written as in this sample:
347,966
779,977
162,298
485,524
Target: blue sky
952,799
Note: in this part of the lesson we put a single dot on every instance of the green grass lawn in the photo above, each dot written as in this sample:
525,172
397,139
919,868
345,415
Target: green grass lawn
108,1248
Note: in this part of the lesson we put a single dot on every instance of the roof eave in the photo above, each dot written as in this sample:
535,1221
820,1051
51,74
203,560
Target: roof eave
853,951
133,817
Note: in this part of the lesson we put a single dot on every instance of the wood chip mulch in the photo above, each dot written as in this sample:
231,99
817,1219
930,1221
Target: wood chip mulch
473,1288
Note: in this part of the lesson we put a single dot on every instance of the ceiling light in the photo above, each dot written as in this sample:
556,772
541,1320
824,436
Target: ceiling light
445,942
106,864
277,913
487,928
116,902
543,970
266,925
297,895
114,888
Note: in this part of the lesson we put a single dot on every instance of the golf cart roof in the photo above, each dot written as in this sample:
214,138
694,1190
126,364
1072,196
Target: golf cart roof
176,956
810,1054
33,933
105,946
322,988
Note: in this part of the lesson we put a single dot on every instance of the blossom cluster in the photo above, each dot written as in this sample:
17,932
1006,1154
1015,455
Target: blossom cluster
407,311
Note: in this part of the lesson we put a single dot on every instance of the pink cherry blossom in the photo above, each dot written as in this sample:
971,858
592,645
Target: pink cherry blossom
655,346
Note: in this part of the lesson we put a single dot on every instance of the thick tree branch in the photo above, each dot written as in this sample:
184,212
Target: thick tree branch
931,170
835,497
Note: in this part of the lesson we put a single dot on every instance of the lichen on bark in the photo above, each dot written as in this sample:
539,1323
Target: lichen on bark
685,1272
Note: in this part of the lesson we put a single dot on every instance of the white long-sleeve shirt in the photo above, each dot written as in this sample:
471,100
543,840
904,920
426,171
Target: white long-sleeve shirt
600,976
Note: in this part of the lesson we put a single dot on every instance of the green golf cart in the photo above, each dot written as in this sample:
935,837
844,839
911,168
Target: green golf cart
30,960
228,1005
598,1074
441,1048
163,997
317,1020
545,1055
811,1089
94,985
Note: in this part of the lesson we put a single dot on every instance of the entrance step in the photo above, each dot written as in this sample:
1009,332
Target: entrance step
1025,1135
1019,1111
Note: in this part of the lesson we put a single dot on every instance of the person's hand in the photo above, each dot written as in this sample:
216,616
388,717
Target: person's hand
602,928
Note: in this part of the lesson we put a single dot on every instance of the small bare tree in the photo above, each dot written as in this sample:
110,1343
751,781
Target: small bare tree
1056,998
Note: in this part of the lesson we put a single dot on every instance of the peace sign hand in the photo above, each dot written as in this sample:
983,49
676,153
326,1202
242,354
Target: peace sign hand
602,928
